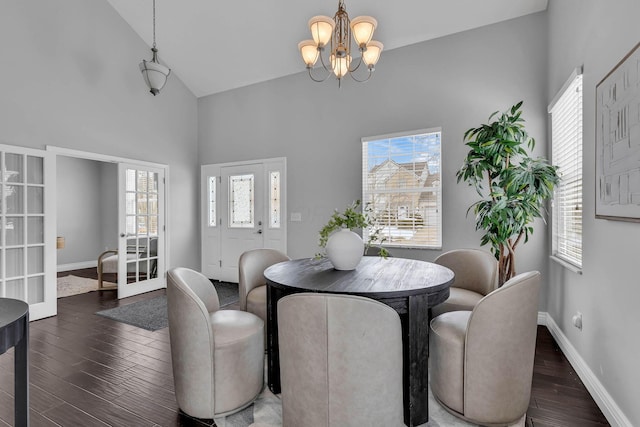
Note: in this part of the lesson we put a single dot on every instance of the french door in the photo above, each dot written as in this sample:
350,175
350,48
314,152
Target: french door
142,229
27,229
243,208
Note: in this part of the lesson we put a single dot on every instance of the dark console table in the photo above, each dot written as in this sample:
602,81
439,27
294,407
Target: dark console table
408,286
14,331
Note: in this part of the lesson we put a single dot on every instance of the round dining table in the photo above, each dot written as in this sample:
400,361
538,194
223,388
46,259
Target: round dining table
14,332
408,286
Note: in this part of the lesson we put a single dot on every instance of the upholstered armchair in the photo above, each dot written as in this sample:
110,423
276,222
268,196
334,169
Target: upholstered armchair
108,260
482,360
217,355
475,277
252,287
340,361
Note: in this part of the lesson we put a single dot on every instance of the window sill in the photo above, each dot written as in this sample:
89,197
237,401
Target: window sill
566,264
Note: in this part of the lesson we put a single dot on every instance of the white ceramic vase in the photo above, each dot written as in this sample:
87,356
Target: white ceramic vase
345,249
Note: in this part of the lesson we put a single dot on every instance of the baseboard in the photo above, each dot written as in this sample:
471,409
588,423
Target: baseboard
77,265
603,399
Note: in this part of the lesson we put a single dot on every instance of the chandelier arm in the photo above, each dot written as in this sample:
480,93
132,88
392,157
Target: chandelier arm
362,81
317,80
324,65
352,70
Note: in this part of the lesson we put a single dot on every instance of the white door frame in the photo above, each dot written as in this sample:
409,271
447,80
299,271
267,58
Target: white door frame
211,236
68,152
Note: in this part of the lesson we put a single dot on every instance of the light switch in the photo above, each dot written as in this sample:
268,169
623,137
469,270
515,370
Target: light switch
296,216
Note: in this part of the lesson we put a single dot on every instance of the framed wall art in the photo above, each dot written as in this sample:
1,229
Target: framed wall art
618,141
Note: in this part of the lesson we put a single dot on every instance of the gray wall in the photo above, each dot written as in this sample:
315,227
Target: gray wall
70,78
454,82
79,211
598,35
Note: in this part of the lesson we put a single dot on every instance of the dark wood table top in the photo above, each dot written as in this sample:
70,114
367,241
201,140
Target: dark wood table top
375,277
11,310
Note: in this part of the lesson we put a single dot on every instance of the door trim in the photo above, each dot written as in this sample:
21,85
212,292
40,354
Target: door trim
204,214
87,155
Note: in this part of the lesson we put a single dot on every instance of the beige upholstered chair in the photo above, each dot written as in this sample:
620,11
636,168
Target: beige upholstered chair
340,361
252,287
482,360
476,274
217,355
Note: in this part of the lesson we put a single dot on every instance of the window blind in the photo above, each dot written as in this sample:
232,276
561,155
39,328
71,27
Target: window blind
566,154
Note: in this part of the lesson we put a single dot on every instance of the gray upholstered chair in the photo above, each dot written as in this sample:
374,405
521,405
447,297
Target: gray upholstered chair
482,360
340,361
476,274
252,287
217,355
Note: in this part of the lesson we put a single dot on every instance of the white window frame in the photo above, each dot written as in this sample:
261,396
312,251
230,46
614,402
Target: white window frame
432,216
566,117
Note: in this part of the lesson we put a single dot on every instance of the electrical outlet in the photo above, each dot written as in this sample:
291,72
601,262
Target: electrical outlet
577,320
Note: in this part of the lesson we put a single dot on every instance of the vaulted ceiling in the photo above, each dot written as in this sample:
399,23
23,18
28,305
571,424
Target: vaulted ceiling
214,46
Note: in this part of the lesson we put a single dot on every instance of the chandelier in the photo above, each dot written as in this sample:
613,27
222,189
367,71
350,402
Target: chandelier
338,31
153,72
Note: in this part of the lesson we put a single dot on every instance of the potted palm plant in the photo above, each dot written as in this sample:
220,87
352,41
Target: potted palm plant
512,185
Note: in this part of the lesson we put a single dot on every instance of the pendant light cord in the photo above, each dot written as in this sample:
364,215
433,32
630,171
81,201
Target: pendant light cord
154,24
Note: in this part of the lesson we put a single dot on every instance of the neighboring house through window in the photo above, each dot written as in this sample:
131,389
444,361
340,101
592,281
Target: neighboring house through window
401,184
566,153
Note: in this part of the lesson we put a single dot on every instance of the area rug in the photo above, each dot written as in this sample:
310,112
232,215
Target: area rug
74,285
151,313
266,411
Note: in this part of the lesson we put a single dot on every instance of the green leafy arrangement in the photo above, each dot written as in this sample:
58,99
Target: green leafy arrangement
352,219
517,185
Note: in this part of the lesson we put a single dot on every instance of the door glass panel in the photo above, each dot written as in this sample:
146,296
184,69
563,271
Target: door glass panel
13,197
274,199
35,230
35,200
15,231
212,200
35,170
241,202
35,260
15,262
13,164
131,203
35,286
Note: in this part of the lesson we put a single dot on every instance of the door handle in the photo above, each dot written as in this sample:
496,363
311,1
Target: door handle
259,231
122,235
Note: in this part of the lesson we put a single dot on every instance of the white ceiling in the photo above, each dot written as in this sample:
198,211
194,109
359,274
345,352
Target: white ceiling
213,46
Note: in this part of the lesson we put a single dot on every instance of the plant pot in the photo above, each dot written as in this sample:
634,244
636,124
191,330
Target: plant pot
345,249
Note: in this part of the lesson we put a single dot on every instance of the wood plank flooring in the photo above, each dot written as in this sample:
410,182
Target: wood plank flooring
87,370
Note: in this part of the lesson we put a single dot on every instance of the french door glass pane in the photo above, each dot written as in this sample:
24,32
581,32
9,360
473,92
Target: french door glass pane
35,170
35,260
13,165
15,262
15,289
35,200
14,231
13,196
35,230
35,287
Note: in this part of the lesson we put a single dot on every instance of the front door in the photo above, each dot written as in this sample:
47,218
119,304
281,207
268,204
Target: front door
27,229
141,223
243,209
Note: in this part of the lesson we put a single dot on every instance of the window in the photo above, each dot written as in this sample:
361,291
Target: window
566,153
212,200
401,184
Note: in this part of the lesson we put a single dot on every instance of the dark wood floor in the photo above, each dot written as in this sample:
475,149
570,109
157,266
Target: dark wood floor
87,370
